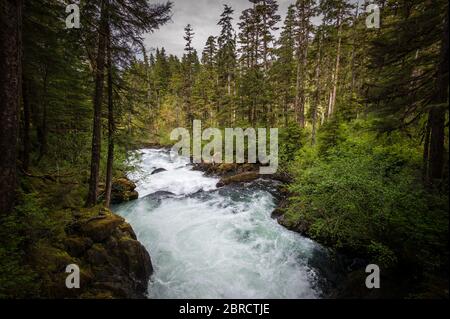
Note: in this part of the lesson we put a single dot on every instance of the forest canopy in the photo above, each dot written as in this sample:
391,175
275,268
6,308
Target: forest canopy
362,114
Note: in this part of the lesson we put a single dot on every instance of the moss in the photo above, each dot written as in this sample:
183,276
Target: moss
47,258
101,227
240,178
49,230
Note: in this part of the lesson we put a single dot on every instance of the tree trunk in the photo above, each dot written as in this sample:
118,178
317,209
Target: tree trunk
336,72
111,129
42,128
10,78
286,109
299,91
98,99
316,102
426,154
26,124
148,83
436,117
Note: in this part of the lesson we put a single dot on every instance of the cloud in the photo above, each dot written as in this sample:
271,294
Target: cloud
203,15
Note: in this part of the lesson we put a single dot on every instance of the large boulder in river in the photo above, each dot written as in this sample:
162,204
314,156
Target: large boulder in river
123,190
239,178
225,169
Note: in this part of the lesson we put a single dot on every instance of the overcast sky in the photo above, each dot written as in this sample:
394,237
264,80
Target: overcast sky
203,15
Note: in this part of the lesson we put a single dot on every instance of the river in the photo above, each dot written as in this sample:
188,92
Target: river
207,242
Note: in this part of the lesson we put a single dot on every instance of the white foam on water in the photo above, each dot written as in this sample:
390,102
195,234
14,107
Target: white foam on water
222,244
179,178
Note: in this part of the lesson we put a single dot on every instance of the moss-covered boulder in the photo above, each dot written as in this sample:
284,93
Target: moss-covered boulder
77,246
122,190
239,178
113,264
101,227
225,169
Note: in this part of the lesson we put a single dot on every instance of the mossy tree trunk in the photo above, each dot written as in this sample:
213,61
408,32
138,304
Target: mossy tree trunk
98,100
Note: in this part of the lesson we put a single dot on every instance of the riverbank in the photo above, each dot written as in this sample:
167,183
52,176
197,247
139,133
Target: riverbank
349,280
53,231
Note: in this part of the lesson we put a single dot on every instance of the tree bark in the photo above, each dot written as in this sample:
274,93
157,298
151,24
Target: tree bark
42,129
436,117
299,104
10,82
111,129
336,72
98,100
316,102
26,124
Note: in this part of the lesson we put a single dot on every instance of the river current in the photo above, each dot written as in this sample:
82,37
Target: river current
207,242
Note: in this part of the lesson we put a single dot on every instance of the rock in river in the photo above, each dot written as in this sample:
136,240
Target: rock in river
123,190
158,170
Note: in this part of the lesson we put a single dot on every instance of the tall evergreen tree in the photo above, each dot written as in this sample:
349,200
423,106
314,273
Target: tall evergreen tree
127,22
335,14
190,66
209,53
10,82
305,12
226,59
283,69
409,87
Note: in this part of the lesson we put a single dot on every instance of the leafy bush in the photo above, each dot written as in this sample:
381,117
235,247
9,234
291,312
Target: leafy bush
291,140
367,198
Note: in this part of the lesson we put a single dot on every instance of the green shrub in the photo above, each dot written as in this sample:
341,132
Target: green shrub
366,197
291,140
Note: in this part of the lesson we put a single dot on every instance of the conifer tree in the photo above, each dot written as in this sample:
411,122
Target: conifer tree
127,22
226,61
284,66
305,12
10,82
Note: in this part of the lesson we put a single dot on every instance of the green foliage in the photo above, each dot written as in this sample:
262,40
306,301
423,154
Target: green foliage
291,140
28,224
330,135
366,197
353,191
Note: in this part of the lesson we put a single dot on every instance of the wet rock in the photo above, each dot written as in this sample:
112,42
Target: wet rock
126,229
113,264
280,210
137,261
160,194
97,255
225,169
281,177
299,226
121,266
100,228
158,170
240,178
77,246
123,190
123,184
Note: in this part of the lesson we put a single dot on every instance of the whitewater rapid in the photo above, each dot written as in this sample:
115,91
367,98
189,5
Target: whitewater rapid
214,243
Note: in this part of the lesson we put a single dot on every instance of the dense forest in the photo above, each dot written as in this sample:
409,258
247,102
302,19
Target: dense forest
362,114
